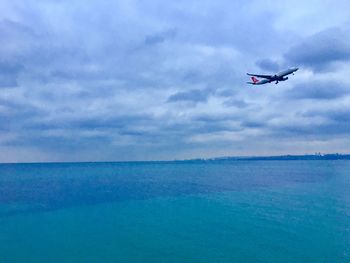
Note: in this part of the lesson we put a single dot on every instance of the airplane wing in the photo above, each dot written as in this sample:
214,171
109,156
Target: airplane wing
260,76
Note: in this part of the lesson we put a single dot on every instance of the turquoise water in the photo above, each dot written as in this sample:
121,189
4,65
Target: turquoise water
233,211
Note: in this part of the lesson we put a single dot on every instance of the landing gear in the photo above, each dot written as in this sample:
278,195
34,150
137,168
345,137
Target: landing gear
276,82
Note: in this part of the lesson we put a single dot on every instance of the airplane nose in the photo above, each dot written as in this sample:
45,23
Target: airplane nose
296,69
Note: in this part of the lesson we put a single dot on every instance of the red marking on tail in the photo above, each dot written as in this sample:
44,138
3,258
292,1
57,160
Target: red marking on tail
255,80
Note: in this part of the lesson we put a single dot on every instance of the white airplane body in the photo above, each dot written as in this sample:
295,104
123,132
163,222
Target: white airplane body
281,76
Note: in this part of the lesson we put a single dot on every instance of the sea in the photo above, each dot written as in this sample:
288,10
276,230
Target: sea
201,211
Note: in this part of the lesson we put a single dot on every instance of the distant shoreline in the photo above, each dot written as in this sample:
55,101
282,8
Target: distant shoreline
305,157
333,156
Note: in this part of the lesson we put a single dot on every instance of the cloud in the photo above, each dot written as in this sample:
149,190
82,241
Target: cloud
160,37
319,52
335,116
268,65
310,132
122,80
318,90
9,73
191,96
234,102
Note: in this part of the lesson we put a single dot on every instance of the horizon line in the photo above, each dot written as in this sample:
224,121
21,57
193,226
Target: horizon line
319,156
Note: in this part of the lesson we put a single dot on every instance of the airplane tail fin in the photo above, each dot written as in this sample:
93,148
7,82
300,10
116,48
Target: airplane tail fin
255,80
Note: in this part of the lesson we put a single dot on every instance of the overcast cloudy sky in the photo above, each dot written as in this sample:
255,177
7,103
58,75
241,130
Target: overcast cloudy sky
164,80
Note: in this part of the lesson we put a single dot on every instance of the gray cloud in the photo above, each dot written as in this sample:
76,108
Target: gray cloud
321,50
268,65
191,96
92,81
312,132
336,116
236,103
9,73
160,37
318,90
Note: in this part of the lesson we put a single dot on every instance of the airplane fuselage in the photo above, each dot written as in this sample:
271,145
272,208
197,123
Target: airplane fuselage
281,76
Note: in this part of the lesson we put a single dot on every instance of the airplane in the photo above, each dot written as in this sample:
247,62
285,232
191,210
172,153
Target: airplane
281,76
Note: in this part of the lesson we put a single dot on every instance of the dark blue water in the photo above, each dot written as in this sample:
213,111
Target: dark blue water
221,211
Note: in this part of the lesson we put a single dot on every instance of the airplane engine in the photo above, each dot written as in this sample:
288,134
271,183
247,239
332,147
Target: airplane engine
285,78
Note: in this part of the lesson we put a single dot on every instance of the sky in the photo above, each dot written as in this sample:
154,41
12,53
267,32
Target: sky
133,80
